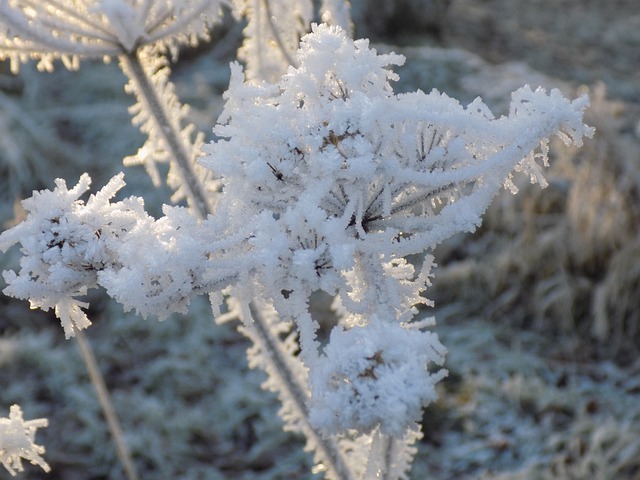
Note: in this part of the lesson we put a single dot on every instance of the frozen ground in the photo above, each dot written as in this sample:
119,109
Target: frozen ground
539,309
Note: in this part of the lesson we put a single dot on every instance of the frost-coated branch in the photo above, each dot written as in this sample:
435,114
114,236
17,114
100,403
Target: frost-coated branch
288,378
70,247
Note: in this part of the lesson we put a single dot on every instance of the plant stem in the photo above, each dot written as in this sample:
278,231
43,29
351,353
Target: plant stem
388,444
107,405
326,448
168,130
276,35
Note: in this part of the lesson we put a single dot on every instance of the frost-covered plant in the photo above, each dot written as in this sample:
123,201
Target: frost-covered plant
329,181
17,441
71,30
339,179
139,33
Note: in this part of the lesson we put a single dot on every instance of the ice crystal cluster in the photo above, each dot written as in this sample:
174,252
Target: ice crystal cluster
366,379
17,441
329,181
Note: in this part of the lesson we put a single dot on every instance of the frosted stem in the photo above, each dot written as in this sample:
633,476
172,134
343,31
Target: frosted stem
326,448
107,405
171,136
381,457
276,35
388,449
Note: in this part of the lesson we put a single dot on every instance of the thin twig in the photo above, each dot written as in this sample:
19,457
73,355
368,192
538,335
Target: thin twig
107,405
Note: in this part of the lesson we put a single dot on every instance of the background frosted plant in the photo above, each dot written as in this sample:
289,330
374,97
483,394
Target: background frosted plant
17,441
274,29
71,30
139,33
272,35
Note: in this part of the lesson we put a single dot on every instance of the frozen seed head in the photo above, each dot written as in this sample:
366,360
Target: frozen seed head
65,243
329,164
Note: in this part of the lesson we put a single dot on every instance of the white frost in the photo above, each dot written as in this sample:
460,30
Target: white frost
17,441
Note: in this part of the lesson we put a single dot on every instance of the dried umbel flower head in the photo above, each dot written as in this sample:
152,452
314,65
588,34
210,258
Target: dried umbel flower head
68,30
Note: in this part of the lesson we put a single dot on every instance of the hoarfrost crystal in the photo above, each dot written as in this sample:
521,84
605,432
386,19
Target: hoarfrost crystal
17,441
65,244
